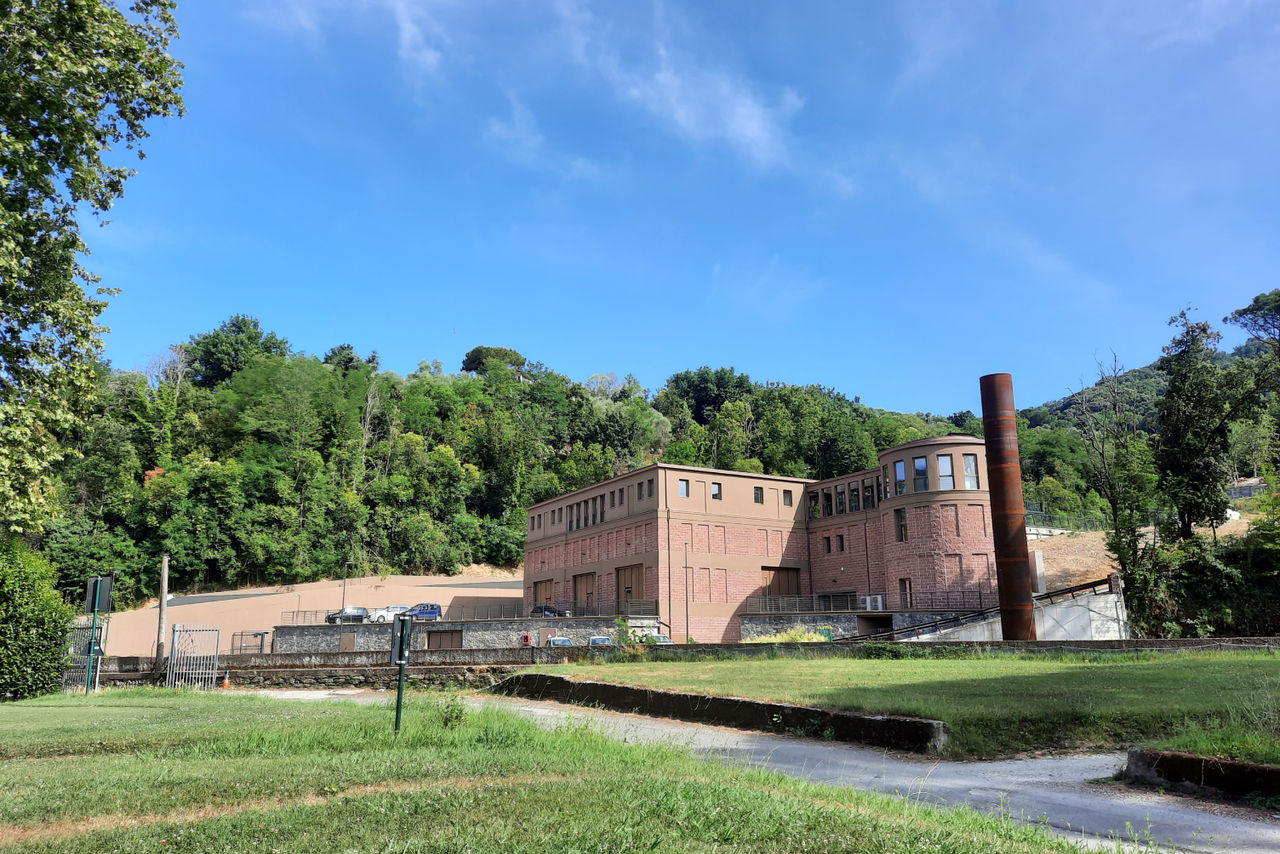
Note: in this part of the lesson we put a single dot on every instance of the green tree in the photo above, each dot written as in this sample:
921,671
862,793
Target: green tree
78,79
1193,451
33,623
1119,467
218,355
477,358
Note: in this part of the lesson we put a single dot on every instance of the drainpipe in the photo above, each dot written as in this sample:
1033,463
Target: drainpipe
1008,513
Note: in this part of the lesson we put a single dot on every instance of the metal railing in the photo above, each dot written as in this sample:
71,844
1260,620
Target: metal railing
927,600
1087,589
303,618
602,608
1036,519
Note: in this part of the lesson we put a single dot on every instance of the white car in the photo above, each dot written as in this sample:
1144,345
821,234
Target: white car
387,614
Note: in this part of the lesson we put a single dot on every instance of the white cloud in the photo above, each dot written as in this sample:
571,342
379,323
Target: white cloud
696,101
936,34
517,137
1196,22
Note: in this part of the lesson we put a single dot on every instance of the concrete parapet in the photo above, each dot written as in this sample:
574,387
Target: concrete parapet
896,731
1199,774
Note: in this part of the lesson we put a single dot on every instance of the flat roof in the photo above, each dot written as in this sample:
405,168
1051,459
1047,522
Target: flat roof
673,467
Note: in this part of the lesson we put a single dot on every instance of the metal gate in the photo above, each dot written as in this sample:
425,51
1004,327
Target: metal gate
193,657
78,648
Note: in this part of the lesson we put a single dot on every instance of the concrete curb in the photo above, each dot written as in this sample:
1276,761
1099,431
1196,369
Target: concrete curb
896,731
1200,774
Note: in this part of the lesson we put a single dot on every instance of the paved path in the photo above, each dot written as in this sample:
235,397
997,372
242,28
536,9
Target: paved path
1058,791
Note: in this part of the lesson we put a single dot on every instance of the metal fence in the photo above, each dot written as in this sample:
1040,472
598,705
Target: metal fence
250,643
79,638
927,600
303,618
193,657
1036,519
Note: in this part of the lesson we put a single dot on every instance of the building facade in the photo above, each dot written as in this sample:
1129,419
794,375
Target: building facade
696,547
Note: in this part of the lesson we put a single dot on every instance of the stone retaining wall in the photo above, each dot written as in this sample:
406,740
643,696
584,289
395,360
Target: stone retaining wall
895,731
476,634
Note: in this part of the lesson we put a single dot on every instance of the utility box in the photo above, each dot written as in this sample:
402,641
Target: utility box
401,638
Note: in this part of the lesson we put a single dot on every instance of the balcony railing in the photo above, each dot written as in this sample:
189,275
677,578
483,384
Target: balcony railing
927,600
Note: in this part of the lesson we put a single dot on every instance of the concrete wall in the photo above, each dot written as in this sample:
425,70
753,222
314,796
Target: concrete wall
1087,618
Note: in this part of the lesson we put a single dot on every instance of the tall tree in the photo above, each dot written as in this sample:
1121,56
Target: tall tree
1193,418
214,357
78,79
1119,461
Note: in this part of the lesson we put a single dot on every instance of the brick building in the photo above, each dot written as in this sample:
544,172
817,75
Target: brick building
699,547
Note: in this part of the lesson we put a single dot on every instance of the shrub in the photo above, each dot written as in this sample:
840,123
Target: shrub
33,624
795,634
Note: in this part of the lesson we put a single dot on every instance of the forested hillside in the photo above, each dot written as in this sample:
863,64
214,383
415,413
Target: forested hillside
250,463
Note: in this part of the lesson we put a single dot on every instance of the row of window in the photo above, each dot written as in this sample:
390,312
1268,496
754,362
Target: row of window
946,474
834,503
717,492
589,511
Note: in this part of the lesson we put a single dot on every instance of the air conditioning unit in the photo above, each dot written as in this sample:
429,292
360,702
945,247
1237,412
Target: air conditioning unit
871,603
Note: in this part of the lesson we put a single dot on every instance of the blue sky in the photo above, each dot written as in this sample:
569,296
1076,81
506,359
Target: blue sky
890,199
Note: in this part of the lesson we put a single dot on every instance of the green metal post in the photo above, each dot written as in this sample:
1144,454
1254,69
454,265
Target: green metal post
400,697
93,635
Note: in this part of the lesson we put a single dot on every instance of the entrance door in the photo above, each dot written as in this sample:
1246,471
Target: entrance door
630,583
542,591
584,592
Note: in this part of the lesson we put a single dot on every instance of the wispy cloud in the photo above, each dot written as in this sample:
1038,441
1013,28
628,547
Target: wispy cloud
518,139
769,290
697,101
1195,22
936,33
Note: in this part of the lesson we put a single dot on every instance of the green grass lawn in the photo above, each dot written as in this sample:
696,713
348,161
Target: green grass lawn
999,704
154,770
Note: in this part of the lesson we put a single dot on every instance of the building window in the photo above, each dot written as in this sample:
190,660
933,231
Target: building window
578,514
899,477
839,542
601,508
826,503
757,495
613,498
813,505
946,477
593,511
839,499
868,495
971,471
684,488
622,496
900,524
539,521
904,592
786,498
715,491
826,544
650,487
921,480
853,498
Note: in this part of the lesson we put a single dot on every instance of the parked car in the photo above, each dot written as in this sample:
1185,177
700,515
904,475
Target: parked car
387,614
599,640
349,614
558,642
546,611
657,639
425,611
